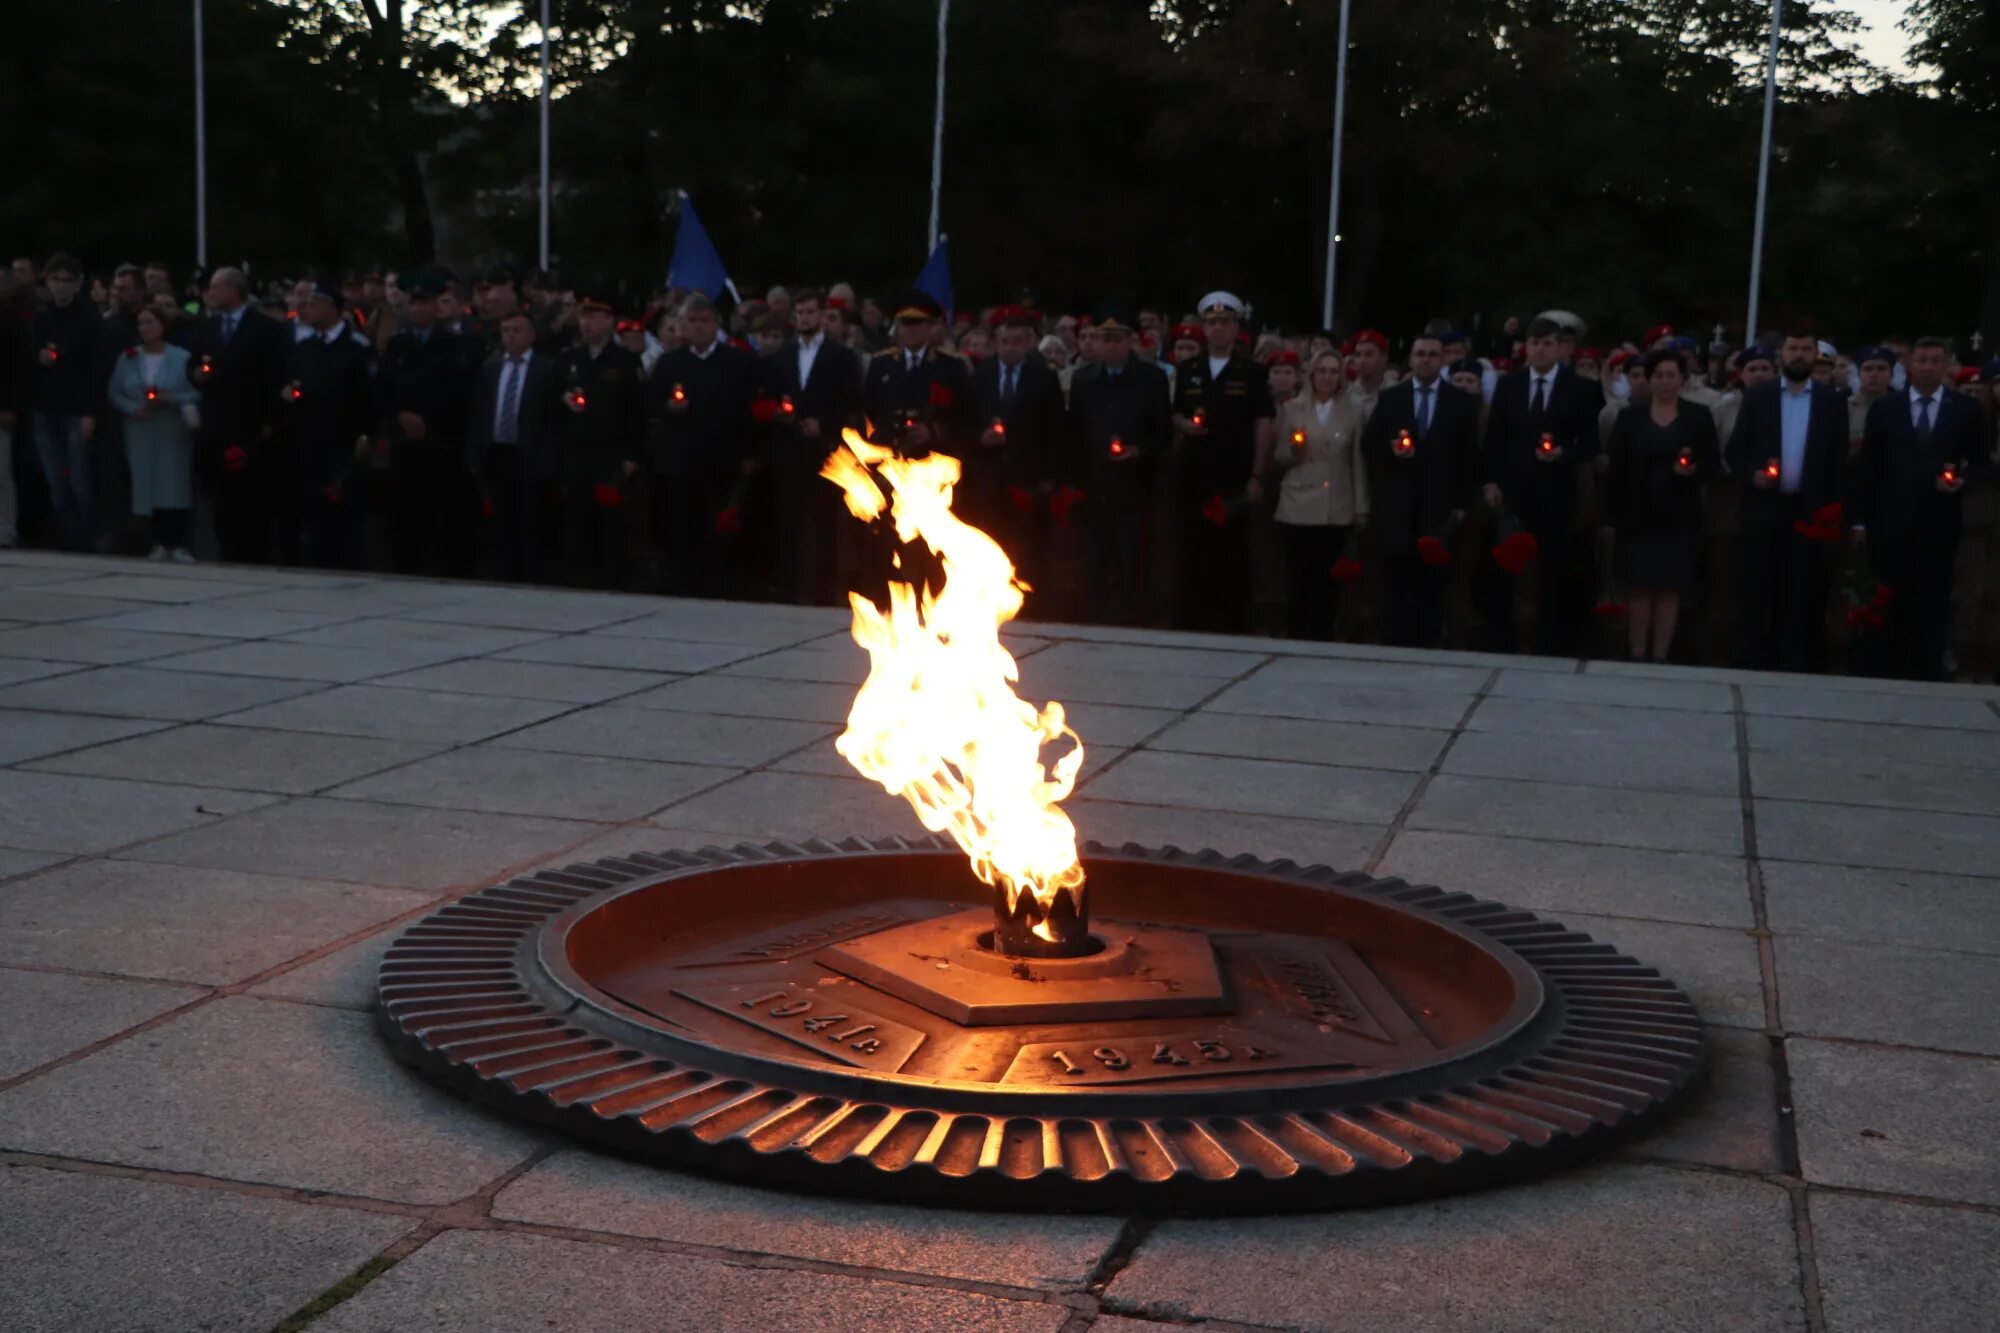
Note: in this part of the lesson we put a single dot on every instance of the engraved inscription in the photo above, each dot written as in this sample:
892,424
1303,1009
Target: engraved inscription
1330,987
1140,1060
819,1021
794,942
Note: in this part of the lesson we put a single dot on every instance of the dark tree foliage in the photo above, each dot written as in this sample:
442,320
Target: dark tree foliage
1501,154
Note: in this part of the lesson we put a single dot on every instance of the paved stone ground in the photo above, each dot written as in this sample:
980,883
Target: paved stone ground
222,790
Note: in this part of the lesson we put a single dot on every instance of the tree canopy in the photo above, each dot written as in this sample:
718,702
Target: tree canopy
1501,154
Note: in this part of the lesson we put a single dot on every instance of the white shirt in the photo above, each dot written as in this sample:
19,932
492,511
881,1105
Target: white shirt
703,353
1323,408
1216,364
1542,382
808,353
1917,405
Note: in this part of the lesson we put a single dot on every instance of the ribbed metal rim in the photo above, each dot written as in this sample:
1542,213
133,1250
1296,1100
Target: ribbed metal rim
1616,1047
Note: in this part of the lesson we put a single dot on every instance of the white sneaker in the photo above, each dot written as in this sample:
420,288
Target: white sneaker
157,554
181,556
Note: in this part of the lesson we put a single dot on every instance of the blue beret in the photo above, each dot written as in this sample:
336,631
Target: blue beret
1756,354
1867,354
1990,371
324,291
1682,343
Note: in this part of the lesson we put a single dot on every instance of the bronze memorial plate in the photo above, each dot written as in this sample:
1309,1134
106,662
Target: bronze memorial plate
1245,1035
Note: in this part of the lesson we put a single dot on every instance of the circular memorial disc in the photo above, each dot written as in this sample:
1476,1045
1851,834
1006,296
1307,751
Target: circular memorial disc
1244,1035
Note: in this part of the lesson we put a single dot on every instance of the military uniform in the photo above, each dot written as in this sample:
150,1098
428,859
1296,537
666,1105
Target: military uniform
327,409
1211,510
598,427
904,394
427,373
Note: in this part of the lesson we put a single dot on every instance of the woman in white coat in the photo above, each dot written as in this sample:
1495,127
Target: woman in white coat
149,385
1324,496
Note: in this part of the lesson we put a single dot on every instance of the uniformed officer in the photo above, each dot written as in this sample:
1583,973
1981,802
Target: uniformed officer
1223,413
598,425
914,395
423,382
1119,435
327,408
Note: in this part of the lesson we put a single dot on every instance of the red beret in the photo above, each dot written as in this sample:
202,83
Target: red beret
1191,332
1014,314
836,303
1618,358
1657,332
1965,375
1590,353
1381,340
1503,363
1284,356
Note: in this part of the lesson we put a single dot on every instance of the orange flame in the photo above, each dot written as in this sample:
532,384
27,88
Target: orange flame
937,721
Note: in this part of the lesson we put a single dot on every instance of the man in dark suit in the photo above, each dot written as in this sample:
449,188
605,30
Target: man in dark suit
422,379
812,392
1787,453
508,450
699,403
1120,427
1015,407
598,430
1918,449
1421,446
1542,427
327,407
238,361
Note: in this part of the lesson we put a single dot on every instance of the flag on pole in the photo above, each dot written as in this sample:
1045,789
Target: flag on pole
935,280
695,265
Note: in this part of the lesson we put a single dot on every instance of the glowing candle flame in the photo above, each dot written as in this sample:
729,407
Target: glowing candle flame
937,721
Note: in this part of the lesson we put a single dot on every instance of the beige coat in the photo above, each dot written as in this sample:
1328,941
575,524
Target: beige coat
1325,481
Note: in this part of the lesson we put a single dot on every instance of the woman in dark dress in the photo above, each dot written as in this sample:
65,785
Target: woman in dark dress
1662,449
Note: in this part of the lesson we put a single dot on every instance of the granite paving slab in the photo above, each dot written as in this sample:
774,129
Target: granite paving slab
279,1094
1307,841
1565,877
1629,692
843,666
1351,745
796,805
478,1282
1667,821
1912,710
1131,659
1404,675
1866,779
1638,730
144,691
746,696
648,733
70,1013
49,606
1627,1247
667,656
1082,684
628,839
1105,725
1342,703
219,620
1883,906
1893,994
1717,968
96,644
1895,839
554,612
27,734
592,1192
14,862
178,923
1836,742
404,846
1256,786
14,670
716,623
245,758
47,812
526,680
1885,1264
357,599
532,782
344,978
299,661
1700,769
148,588
1733,1124
423,716
167,1257
401,633
1790,679
1897,1121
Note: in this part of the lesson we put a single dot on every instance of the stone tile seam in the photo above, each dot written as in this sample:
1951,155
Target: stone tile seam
1181,715
1416,795
1811,1295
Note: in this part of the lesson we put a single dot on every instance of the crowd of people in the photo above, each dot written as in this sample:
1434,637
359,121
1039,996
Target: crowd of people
1806,507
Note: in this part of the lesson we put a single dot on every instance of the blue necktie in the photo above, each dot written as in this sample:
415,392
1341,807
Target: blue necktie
1924,419
1424,410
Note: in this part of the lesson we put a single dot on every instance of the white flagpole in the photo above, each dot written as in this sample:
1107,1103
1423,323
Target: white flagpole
1763,178
1333,202
937,126
200,145
545,138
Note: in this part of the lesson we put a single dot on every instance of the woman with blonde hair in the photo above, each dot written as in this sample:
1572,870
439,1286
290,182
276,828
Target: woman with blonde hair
1324,494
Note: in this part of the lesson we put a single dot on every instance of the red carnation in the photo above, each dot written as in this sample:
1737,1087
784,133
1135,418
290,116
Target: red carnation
942,397
728,521
1827,515
331,494
607,495
1433,551
1515,553
1063,501
1882,596
1023,499
234,459
1612,610
1345,570
1216,511
131,354
763,411
486,509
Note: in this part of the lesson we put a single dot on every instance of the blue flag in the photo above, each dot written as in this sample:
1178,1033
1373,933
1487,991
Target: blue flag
935,280
695,265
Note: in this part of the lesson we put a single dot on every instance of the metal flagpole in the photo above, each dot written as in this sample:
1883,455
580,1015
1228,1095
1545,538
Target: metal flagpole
937,126
545,138
1333,202
1763,177
200,146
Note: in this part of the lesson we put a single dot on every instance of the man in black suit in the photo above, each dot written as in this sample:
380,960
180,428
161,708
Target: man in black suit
1121,427
422,379
238,361
699,403
1918,450
812,392
1787,453
508,450
1016,416
1541,429
597,432
1421,446
327,408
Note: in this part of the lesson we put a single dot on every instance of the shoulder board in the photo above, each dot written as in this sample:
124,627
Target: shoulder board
359,338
